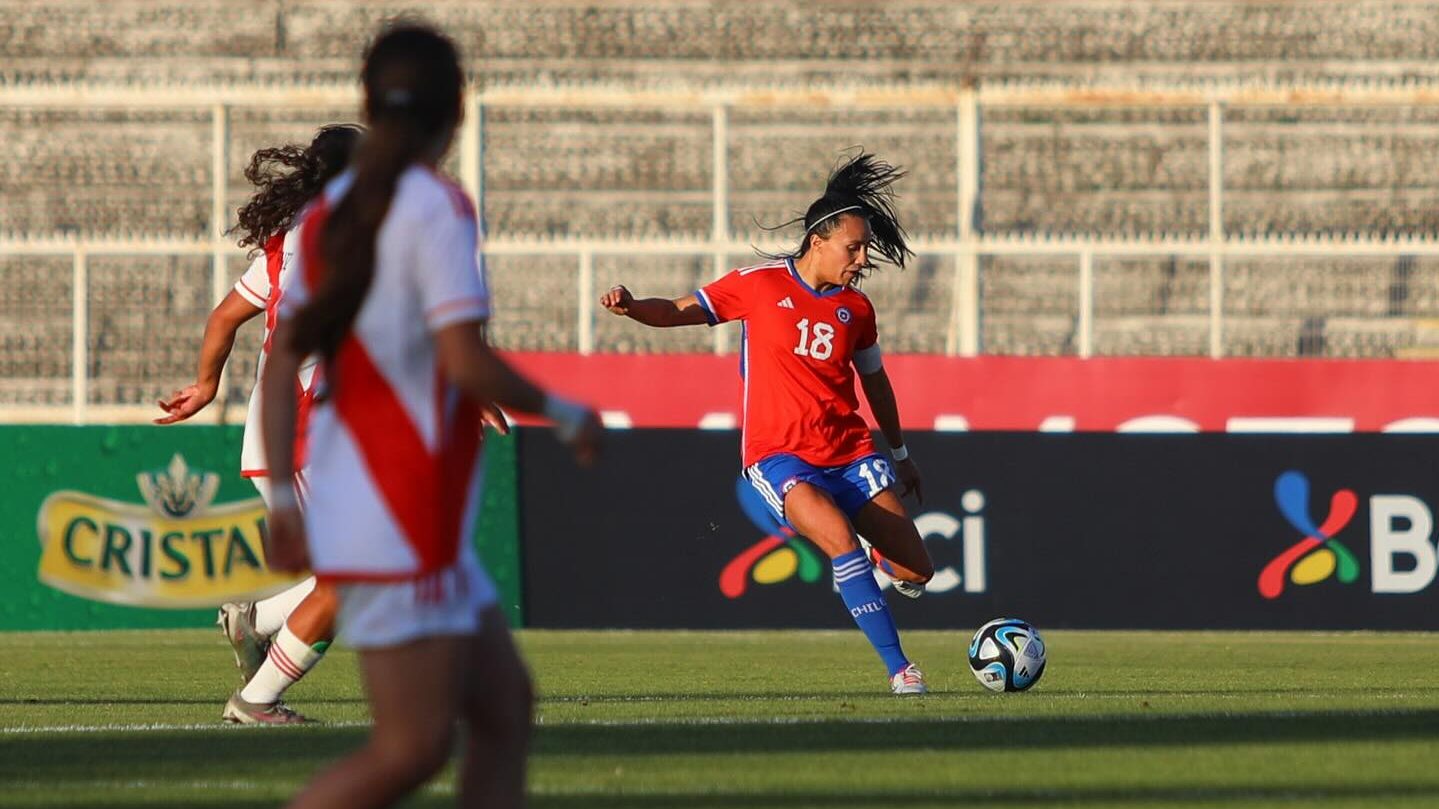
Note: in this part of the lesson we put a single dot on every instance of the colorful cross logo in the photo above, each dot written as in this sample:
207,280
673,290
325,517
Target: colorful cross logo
1318,555
777,557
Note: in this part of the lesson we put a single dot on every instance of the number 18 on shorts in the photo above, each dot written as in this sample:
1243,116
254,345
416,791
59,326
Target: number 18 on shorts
851,485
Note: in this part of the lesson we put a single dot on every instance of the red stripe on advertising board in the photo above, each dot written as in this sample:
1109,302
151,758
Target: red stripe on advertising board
1024,393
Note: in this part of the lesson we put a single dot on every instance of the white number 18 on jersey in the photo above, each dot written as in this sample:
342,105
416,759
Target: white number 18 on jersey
820,345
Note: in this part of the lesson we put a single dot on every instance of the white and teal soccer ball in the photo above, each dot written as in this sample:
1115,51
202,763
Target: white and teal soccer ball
1007,654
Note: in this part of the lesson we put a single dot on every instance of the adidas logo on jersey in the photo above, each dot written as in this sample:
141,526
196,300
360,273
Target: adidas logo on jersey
786,303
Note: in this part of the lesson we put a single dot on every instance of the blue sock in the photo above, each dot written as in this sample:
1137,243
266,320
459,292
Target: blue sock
868,608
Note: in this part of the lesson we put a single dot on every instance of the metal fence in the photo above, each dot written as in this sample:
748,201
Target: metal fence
1002,268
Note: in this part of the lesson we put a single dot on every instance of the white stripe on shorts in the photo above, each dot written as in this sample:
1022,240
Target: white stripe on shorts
767,491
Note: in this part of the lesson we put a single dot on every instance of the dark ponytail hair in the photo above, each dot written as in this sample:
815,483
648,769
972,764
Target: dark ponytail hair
286,177
860,186
412,84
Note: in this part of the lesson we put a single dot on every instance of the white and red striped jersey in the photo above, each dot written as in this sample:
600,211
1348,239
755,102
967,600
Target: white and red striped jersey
262,286
394,449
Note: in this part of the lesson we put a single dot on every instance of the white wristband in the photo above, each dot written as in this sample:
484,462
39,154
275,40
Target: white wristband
899,453
282,497
568,417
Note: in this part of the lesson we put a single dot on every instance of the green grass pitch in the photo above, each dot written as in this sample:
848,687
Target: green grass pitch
774,719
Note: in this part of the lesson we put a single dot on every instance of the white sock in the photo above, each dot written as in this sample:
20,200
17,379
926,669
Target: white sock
271,613
287,662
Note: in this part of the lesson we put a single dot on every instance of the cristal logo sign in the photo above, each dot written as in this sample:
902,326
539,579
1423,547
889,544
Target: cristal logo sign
1402,555
179,549
782,555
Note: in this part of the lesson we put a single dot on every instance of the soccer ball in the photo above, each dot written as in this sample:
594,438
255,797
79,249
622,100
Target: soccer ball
1007,654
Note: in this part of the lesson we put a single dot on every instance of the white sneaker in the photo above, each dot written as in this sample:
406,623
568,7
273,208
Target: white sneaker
908,680
905,588
237,622
239,712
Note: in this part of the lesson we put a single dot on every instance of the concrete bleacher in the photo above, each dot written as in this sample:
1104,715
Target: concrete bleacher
91,172
35,331
1028,306
586,172
567,40
650,277
146,315
537,302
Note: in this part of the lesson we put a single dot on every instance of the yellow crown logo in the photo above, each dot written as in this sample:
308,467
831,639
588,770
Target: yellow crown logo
175,491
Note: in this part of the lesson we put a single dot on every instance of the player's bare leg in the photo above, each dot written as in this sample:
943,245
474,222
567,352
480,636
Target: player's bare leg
885,524
814,515
314,620
498,705
414,692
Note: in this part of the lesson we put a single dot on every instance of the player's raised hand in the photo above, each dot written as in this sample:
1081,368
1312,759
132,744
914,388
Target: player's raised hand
907,472
588,441
185,402
617,300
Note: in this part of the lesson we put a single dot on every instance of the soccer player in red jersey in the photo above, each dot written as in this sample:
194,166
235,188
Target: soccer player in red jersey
807,450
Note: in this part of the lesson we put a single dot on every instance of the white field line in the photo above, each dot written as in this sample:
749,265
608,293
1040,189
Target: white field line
721,721
157,727
443,788
440,788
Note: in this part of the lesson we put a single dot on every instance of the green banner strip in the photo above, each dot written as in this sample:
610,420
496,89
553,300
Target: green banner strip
106,462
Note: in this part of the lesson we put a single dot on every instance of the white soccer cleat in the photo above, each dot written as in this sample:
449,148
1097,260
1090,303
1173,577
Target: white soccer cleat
907,589
908,680
239,712
904,588
237,622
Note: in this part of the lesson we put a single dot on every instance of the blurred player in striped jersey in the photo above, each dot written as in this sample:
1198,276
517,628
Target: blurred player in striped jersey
390,290
807,450
276,640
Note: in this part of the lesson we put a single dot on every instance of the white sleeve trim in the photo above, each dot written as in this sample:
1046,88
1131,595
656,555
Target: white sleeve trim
868,360
708,306
459,310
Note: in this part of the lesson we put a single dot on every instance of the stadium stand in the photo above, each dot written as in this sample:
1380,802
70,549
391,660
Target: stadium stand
35,331
650,276
648,40
580,172
145,317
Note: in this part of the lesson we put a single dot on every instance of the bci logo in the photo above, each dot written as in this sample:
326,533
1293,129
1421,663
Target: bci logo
1402,555
782,555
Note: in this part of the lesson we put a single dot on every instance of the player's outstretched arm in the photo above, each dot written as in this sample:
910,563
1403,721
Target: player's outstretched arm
660,312
467,360
226,318
880,394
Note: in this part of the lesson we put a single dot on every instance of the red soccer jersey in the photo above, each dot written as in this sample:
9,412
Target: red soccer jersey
798,370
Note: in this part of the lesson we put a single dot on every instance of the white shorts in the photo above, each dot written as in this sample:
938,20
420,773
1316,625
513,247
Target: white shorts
379,615
263,485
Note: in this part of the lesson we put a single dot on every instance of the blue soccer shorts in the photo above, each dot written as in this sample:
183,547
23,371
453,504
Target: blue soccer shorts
851,485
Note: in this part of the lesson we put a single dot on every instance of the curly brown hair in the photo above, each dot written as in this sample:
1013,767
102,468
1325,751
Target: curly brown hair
286,177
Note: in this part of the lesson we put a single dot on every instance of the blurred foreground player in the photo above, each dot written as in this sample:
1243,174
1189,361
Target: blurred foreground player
389,291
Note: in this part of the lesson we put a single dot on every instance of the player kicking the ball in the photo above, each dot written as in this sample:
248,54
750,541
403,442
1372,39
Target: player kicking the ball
807,450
